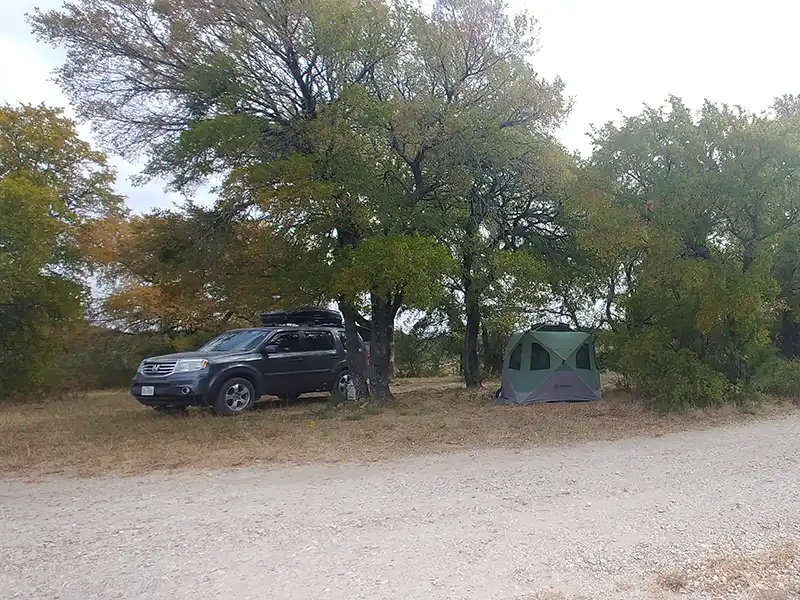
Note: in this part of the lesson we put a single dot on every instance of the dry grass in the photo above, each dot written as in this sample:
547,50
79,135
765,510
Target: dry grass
549,595
770,575
109,432
674,580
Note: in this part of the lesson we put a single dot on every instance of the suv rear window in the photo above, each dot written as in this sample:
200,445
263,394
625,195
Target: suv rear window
287,341
319,340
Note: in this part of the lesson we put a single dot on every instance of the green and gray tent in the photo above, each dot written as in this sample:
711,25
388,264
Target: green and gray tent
549,363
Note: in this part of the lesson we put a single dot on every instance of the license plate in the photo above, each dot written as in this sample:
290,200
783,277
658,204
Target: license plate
148,390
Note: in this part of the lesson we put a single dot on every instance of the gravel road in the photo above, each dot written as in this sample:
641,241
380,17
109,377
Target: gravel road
601,520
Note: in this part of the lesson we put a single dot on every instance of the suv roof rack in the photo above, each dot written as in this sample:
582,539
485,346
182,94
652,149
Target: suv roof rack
310,315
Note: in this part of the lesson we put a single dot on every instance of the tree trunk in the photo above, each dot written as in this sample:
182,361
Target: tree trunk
487,350
391,354
356,357
380,352
472,367
789,336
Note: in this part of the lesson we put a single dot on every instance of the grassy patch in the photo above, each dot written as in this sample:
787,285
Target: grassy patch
109,432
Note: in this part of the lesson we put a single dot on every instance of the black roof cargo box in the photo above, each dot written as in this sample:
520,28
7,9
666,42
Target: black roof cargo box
309,315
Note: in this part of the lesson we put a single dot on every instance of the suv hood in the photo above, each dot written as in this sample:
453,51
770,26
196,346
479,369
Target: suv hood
212,357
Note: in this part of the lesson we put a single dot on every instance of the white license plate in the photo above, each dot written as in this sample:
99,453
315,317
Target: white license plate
148,390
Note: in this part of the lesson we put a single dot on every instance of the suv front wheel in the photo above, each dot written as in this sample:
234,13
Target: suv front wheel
235,396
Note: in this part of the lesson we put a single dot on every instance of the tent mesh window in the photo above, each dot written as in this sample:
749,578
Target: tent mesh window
515,360
582,360
540,358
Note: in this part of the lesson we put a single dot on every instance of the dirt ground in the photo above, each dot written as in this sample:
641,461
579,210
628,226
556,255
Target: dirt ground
109,432
693,515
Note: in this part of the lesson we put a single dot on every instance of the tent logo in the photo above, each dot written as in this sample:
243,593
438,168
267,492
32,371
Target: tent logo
562,385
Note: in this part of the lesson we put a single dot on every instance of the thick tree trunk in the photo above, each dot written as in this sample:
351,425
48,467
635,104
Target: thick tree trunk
380,352
472,367
356,357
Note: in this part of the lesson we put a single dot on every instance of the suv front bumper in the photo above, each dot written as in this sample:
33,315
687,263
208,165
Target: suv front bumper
180,389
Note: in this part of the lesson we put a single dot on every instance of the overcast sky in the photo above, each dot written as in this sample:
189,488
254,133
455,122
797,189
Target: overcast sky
613,55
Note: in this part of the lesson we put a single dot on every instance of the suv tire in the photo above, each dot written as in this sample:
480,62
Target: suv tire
234,397
340,382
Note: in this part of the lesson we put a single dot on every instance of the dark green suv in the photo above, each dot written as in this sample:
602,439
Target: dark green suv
234,370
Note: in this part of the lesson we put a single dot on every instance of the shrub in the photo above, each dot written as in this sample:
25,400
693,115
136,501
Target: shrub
679,381
780,377
669,378
91,358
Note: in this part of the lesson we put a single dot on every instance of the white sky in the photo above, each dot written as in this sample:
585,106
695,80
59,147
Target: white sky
613,55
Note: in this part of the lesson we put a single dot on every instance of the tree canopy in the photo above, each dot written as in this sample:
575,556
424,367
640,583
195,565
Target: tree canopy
386,158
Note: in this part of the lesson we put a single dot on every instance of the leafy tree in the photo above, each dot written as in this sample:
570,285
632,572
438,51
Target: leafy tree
333,121
470,128
507,227
707,196
231,89
52,186
180,273
786,271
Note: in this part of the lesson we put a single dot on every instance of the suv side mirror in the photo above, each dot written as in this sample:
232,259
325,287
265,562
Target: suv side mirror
269,349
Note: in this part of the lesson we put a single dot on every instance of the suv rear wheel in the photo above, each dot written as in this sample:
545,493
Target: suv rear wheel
235,396
340,385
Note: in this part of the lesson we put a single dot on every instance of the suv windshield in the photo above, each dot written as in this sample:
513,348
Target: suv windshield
236,341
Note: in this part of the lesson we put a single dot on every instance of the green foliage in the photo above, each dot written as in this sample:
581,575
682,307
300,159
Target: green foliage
691,275
52,187
91,357
671,379
411,265
780,377
786,271
426,350
375,150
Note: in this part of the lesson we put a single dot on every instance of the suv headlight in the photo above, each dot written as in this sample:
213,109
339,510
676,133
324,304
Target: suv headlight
187,365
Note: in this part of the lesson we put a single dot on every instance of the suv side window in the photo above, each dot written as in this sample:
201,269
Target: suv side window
318,341
287,341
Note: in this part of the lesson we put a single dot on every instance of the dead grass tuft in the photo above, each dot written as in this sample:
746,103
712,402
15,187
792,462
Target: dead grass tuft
109,432
770,575
673,581
550,595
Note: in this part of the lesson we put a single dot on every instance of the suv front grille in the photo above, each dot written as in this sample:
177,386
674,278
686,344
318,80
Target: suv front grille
160,369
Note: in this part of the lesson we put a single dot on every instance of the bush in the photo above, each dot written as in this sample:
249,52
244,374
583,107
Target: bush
780,378
91,358
419,355
679,381
666,377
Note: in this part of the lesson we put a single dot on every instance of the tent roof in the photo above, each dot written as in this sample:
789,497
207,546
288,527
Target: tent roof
551,327
563,343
